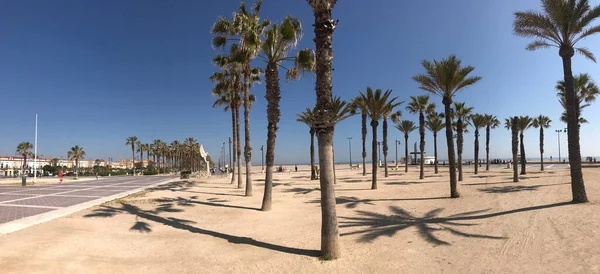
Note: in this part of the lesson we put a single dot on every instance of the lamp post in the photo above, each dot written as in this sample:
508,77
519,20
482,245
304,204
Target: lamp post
262,159
379,149
558,131
350,149
230,153
397,143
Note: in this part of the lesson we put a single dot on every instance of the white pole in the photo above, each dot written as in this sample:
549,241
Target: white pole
35,151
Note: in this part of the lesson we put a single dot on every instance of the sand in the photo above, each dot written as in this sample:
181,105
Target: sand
406,226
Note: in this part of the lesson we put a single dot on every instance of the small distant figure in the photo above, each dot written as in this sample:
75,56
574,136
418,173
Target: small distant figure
296,168
96,175
550,158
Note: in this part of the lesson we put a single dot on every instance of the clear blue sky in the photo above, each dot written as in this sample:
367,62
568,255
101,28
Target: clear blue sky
99,71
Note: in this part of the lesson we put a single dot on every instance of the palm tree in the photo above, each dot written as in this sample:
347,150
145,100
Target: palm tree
54,162
514,127
360,104
462,114
75,154
132,141
524,124
406,127
228,96
421,105
140,149
541,122
307,117
491,122
377,105
478,121
586,92
342,111
323,28
445,78
156,149
280,40
562,24
247,28
435,125
176,149
23,149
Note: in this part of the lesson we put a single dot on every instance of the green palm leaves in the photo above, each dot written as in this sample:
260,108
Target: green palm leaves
586,92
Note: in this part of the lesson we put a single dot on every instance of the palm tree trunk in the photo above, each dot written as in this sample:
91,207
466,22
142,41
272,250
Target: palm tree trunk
450,142
515,148
542,147
577,185
476,150
459,144
385,146
405,153
435,154
273,97
247,148
141,158
374,159
133,159
333,157
324,25
313,173
76,169
364,142
233,133
422,143
523,164
487,147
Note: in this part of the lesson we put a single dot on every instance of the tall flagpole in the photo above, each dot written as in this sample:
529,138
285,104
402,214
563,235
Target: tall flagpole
35,151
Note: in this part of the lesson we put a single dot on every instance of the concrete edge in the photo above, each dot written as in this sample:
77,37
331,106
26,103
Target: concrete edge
26,222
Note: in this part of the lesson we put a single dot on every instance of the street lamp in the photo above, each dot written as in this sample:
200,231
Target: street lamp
350,149
262,159
379,149
558,131
397,143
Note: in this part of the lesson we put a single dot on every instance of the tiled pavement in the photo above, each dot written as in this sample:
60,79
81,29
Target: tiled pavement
18,202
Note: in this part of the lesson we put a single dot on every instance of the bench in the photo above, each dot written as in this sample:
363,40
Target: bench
354,167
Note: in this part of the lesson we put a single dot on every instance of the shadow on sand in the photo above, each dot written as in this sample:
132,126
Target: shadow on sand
374,225
143,217
353,202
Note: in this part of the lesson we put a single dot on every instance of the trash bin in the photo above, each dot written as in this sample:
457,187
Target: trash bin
24,180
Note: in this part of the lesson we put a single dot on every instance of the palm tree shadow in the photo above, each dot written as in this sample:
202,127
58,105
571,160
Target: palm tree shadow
353,202
302,190
181,224
409,183
180,201
374,225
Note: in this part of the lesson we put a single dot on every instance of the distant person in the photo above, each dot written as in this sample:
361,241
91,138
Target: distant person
550,158
296,168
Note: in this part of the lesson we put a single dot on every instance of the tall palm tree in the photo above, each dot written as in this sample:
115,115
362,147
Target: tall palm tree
307,117
140,149
435,124
275,50
361,105
478,121
514,127
176,149
247,29
541,122
524,124
75,154
23,149
156,149
132,141
378,104
323,28
586,92
445,78
406,127
420,105
491,122
562,24
462,114
228,97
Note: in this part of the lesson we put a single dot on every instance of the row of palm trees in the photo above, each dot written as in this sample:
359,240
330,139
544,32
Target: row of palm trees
181,155
76,154
561,24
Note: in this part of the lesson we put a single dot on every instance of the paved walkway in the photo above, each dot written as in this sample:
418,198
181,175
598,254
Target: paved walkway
21,207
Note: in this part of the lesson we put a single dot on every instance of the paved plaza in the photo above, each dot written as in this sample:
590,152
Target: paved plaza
22,207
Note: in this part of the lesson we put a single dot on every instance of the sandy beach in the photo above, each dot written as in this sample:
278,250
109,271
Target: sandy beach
407,225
